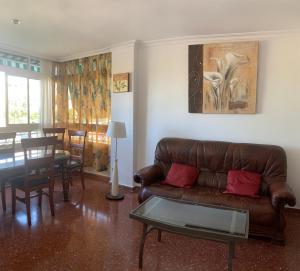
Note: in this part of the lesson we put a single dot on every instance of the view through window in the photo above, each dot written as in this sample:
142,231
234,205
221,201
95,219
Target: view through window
20,105
35,101
24,100
17,100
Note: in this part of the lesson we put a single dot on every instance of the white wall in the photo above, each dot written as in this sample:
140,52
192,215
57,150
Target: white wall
122,105
162,102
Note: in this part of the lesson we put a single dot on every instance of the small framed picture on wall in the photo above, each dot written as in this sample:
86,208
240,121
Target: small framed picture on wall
120,82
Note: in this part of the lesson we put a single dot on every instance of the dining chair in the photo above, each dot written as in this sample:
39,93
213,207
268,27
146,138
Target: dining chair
77,139
39,165
60,133
7,148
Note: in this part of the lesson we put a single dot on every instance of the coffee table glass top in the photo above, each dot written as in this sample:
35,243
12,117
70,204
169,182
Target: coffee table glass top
204,218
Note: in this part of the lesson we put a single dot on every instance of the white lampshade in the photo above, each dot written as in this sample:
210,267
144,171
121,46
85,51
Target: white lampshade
116,129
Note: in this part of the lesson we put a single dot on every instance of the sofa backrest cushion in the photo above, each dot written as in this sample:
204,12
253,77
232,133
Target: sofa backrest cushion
243,183
181,175
214,159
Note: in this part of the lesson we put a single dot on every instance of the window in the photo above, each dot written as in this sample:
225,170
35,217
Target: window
20,95
35,65
35,101
20,62
2,100
20,104
24,100
17,100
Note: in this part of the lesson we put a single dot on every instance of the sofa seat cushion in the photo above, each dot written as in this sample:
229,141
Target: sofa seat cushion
158,189
260,209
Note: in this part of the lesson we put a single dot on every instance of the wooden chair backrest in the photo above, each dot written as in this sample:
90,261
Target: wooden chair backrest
77,146
39,158
7,143
59,132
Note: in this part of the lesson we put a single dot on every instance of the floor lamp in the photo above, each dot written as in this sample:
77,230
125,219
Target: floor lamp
115,130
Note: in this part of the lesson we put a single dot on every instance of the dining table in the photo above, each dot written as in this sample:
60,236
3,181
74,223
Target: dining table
13,165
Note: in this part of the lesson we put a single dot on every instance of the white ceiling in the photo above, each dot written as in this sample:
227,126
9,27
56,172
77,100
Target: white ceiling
56,29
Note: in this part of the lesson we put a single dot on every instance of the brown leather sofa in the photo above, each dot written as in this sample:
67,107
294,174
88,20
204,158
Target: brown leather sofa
215,159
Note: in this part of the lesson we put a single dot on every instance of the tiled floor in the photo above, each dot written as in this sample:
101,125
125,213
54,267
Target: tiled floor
91,233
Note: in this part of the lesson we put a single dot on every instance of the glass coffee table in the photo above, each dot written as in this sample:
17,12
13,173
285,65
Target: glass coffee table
210,222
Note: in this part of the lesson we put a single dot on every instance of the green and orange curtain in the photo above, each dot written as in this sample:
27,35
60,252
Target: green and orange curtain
82,100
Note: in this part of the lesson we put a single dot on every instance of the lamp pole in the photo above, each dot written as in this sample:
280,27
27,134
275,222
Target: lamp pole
116,151
115,193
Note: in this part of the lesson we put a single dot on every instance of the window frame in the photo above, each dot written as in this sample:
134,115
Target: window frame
28,74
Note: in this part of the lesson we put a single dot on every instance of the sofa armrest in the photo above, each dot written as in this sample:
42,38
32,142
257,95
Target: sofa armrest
281,194
148,175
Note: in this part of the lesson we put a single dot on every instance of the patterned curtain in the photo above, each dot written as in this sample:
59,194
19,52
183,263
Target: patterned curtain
82,101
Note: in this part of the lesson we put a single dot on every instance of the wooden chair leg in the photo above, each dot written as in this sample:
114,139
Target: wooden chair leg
13,200
82,178
27,202
70,179
40,197
62,172
51,201
65,185
3,196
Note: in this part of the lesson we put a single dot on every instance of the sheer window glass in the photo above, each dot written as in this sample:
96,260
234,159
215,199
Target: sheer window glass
35,100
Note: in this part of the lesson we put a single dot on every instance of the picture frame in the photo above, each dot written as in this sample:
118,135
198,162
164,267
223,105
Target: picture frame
223,78
120,82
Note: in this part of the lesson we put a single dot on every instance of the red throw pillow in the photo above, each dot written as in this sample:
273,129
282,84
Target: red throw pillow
243,183
181,175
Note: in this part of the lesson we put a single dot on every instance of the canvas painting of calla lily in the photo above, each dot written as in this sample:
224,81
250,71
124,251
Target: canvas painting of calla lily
223,77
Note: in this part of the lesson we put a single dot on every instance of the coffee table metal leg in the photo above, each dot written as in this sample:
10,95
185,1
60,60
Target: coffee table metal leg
159,236
233,249
142,247
231,253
